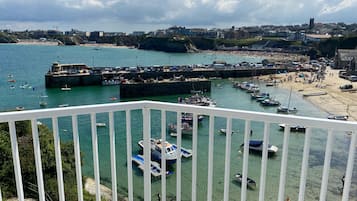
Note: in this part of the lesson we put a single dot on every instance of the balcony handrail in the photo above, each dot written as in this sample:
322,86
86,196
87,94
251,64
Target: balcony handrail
147,107
310,122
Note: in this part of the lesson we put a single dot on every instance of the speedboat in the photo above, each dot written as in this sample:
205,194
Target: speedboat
251,184
155,168
293,128
256,146
170,150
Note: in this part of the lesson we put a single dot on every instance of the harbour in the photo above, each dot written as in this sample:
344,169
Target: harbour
221,91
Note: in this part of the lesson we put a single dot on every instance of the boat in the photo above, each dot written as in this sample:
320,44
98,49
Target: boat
293,128
256,146
251,184
198,99
66,88
20,108
259,95
287,109
43,103
98,124
224,131
270,102
188,118
63,105
155,168
170,151
338,117
186,129
315,94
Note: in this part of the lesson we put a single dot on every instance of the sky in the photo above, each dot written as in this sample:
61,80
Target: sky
149,15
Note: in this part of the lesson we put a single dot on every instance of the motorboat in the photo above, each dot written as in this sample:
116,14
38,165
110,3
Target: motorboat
293,128
155,168
63,105
170,150
270,102
251,184
186,129
338,117
256,146
259,95
20,108
198,99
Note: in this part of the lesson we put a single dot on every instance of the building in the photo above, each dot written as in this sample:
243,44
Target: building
312,23
346,59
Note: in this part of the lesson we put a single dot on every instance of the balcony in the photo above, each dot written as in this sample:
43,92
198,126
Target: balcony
304,168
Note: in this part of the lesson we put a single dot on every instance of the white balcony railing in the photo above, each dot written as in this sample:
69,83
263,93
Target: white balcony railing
147,108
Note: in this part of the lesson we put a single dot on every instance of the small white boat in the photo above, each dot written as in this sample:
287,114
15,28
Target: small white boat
66,88
63,105
155,168
224,131
100,124
20,108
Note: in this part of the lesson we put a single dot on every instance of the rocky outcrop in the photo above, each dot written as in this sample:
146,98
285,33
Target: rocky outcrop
174,44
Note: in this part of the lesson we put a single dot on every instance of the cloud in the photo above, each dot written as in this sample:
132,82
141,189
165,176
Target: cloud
191,13
334,8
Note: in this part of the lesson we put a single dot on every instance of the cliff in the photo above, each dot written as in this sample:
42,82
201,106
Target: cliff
175,44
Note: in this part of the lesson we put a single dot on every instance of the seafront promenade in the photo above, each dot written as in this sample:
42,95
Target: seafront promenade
334,102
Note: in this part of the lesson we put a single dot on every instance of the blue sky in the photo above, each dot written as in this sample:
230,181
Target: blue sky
146,15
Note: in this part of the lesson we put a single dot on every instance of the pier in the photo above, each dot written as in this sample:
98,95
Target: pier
83,75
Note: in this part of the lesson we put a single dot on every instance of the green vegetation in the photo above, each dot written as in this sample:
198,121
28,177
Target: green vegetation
328,47
6,38
27,160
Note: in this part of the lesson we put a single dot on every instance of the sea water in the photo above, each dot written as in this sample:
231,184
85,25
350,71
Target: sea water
27,64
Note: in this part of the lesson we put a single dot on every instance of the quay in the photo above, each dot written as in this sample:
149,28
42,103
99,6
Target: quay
82,75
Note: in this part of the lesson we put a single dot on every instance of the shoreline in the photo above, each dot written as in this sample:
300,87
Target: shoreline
334,102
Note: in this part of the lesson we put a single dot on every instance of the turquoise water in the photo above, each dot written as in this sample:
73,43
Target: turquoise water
29,63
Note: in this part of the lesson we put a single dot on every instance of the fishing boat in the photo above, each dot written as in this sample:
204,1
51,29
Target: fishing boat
188,118
293,128
155,168
287,109
256,146
186,129
170,150
251,184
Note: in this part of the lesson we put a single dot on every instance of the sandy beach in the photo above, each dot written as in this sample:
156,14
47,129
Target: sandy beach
334,102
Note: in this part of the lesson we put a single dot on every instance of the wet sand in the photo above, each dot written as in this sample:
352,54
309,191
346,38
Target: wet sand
334,102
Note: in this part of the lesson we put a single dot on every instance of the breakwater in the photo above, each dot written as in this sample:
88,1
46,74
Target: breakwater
82,75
